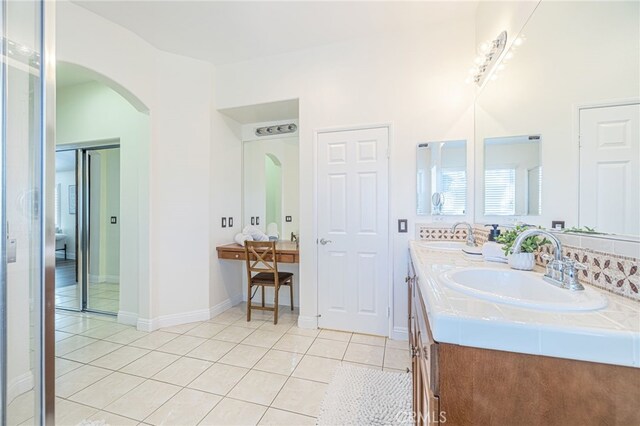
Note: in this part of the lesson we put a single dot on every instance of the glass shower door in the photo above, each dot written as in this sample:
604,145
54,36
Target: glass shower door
23,364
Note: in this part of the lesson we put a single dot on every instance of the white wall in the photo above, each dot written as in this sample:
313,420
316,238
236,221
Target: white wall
411,80
93,112
185,178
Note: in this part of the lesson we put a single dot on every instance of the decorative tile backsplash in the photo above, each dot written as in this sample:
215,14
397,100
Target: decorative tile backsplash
609,271
428,233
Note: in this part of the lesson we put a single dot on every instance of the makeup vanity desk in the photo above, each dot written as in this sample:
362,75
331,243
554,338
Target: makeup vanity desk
286,252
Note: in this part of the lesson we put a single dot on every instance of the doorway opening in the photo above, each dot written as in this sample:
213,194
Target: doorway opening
87,204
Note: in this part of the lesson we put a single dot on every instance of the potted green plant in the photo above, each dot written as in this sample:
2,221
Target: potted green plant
525,260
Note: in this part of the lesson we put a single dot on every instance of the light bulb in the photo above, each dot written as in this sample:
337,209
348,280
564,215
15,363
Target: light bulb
494,77
468,80
517,42
478,60
484,47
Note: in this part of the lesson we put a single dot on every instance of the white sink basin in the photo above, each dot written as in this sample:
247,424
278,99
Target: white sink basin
443,245
525,289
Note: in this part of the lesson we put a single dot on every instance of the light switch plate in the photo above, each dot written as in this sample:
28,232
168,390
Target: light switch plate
402,225
114,220
12,246
287,219
224,222
230,222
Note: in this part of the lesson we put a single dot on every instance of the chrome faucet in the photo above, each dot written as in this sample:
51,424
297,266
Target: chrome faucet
561,271
471,239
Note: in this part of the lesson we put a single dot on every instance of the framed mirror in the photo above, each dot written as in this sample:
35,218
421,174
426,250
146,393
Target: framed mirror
512,176
270,185
572,79
441,178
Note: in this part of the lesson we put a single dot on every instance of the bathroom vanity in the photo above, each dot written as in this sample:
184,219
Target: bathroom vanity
477,361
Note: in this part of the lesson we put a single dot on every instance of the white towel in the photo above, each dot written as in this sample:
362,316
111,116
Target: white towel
256,233
241,238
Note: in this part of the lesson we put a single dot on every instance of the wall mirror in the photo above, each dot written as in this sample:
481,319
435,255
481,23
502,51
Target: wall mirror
441,180
270,184
575,81
512,176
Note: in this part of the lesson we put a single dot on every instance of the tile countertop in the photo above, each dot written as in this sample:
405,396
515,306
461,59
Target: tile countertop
610,335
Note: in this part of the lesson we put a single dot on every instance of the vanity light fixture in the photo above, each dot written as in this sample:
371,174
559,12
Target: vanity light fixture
487,59
276,130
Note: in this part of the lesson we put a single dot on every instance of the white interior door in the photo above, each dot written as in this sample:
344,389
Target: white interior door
609,163
353,244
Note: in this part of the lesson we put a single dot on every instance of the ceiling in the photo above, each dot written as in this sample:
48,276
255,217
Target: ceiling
233,31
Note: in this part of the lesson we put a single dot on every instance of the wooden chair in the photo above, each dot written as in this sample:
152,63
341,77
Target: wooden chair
261,259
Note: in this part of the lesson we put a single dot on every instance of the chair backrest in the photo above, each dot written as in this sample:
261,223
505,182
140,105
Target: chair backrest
261,257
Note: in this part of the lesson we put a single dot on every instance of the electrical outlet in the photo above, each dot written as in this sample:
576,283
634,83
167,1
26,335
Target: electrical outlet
224,222
230,222
287,219
557,224
114,220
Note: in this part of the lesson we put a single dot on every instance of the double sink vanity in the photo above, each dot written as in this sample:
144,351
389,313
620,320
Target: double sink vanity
492,345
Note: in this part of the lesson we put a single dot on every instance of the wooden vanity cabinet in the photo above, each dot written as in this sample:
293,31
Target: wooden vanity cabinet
461,385
423,351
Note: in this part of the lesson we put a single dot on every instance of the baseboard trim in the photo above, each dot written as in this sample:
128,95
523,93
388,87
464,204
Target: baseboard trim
307,322
400,333
128,318
152,324
223,306
21,384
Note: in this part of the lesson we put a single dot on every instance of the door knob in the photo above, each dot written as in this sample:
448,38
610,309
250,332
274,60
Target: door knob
325,242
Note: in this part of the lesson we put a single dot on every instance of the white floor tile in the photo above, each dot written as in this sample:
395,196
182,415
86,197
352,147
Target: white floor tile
364,354
181,345
275,417
301,396
230,412
218,379
212,350
206,330
150,364
143,400
183,371
366,339
120,357
154,340
186,408
107,390
258,387
316,368
397,358
279,362
79,379
335,335
328,348
294,343
243,356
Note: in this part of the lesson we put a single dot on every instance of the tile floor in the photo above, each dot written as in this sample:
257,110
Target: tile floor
102,297
224,371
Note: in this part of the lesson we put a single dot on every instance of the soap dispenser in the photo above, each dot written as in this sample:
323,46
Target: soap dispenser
491,250
495,232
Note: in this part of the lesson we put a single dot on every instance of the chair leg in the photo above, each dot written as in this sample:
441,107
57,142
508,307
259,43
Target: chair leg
249,304
291,291
262,296
275,312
